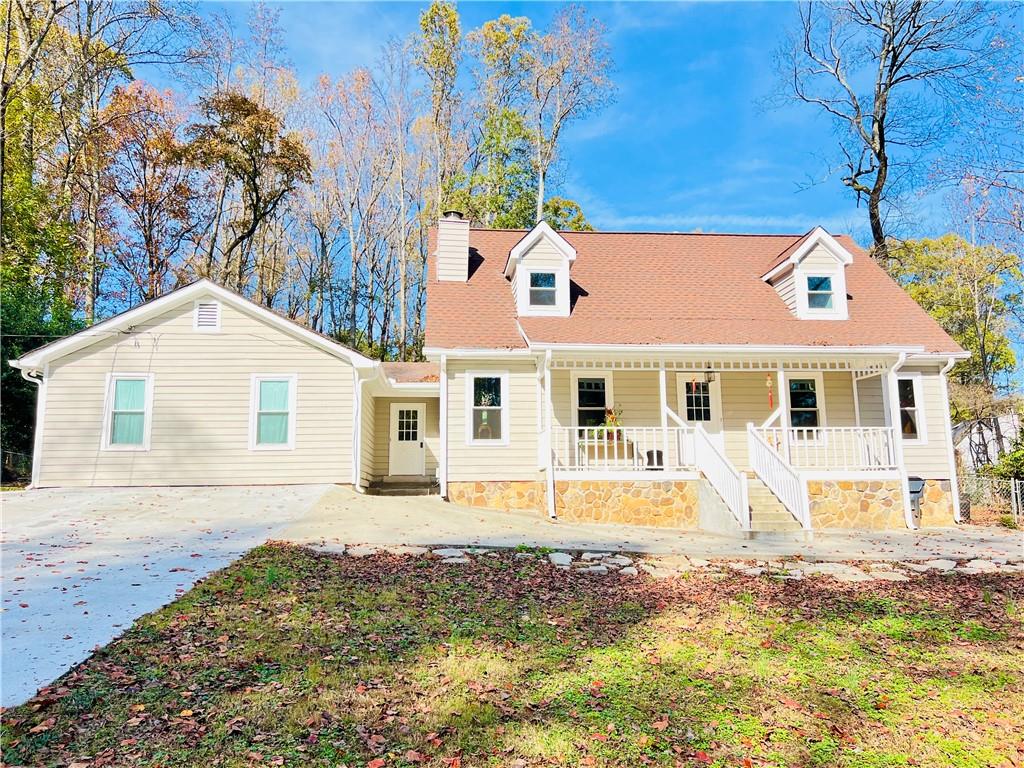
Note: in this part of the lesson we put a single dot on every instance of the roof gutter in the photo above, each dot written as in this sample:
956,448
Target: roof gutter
730,349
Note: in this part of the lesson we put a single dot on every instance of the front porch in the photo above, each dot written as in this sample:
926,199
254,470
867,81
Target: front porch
802,440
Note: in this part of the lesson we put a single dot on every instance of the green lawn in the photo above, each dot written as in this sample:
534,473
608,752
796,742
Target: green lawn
289,657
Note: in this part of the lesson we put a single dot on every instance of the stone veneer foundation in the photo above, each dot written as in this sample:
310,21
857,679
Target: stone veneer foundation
937,504
874,504
667,504
499,494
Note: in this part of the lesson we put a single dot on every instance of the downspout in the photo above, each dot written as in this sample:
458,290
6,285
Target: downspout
442,468
37,438
357,429
954,480
892,389
550,473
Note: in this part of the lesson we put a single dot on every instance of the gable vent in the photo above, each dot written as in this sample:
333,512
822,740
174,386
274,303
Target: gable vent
207,316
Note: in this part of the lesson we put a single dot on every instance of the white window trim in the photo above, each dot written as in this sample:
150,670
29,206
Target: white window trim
108,412
530,288
714,391
838,276
609,394
922,417
819,390
505,406
195,316
254,395
561,306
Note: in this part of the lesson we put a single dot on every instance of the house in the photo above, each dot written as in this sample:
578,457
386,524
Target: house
722,382
980,442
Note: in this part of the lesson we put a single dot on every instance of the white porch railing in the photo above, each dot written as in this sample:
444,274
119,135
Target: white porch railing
780,477
604,449
834,448
730,483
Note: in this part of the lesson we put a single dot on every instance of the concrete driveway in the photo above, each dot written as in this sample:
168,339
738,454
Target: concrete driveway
79,566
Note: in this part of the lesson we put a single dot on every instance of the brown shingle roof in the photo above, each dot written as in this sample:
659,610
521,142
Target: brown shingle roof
661,288
409,373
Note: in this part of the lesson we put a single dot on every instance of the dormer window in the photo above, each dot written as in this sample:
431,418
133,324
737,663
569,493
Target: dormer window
543,289
819,292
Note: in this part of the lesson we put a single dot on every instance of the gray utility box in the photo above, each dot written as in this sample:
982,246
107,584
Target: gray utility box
916,486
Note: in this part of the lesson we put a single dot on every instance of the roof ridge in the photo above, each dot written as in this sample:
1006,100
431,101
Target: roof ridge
652,232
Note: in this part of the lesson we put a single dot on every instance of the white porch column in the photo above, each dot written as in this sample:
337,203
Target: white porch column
549,426
892,419
856,398
784,414
663,394
954,481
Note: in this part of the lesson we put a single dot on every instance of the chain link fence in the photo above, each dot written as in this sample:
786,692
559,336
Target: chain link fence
16,468
985,499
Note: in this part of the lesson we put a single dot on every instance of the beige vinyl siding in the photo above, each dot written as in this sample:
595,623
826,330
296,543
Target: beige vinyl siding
543,254
368,439
818,258
930,459
786,288
744,401
201,399
518,459
636,393
453,250
382,433
871,402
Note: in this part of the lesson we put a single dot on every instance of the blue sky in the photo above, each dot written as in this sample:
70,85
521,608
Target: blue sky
688,144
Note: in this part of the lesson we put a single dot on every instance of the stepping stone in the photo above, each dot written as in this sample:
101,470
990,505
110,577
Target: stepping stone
524,556
617,560
940,565
839,571
451,552
595,555
477,551
598,570
406,550
629,571
560,558
361,550
981,566
889,576
455,560
755,571
698,562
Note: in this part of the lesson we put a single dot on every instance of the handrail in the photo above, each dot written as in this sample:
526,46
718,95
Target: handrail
834,448
611,448
730,483
780,477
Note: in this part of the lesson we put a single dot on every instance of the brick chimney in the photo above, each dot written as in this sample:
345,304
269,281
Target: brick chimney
453,247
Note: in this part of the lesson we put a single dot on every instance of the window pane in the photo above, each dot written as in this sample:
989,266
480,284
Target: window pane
486,391
126,429
906,390
590,417
591,393
408,425
803,398
272,429
273,396
803,418
129,394
819,284
542,279
542,297
487,423
819,300
908,423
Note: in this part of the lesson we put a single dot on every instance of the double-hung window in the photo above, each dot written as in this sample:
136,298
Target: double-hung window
804,410
542,289
128,413
272,416
911,411
487,408
698,401
819,292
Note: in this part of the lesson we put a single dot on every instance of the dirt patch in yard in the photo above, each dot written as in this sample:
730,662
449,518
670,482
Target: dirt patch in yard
291,657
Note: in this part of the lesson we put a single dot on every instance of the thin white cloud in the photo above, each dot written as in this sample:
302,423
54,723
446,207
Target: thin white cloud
722,222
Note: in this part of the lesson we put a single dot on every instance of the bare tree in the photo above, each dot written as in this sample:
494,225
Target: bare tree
890,73
568,79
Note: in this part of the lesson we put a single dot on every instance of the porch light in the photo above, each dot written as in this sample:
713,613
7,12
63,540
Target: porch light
709,376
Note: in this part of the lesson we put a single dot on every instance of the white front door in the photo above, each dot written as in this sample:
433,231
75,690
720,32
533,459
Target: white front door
405,452
700,402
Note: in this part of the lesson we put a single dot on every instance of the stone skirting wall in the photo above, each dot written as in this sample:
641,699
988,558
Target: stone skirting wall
499,494
663,503
937,504
874,504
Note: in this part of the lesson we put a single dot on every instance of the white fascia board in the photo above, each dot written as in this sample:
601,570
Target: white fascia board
531,238
728,349
936,357
125,320
435,353
818,236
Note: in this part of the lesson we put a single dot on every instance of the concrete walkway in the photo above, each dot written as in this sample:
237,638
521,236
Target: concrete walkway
79,566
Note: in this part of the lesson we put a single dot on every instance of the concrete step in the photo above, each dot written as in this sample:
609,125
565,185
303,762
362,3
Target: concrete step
404,488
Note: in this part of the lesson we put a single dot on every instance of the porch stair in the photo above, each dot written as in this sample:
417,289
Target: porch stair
767,514
404,487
